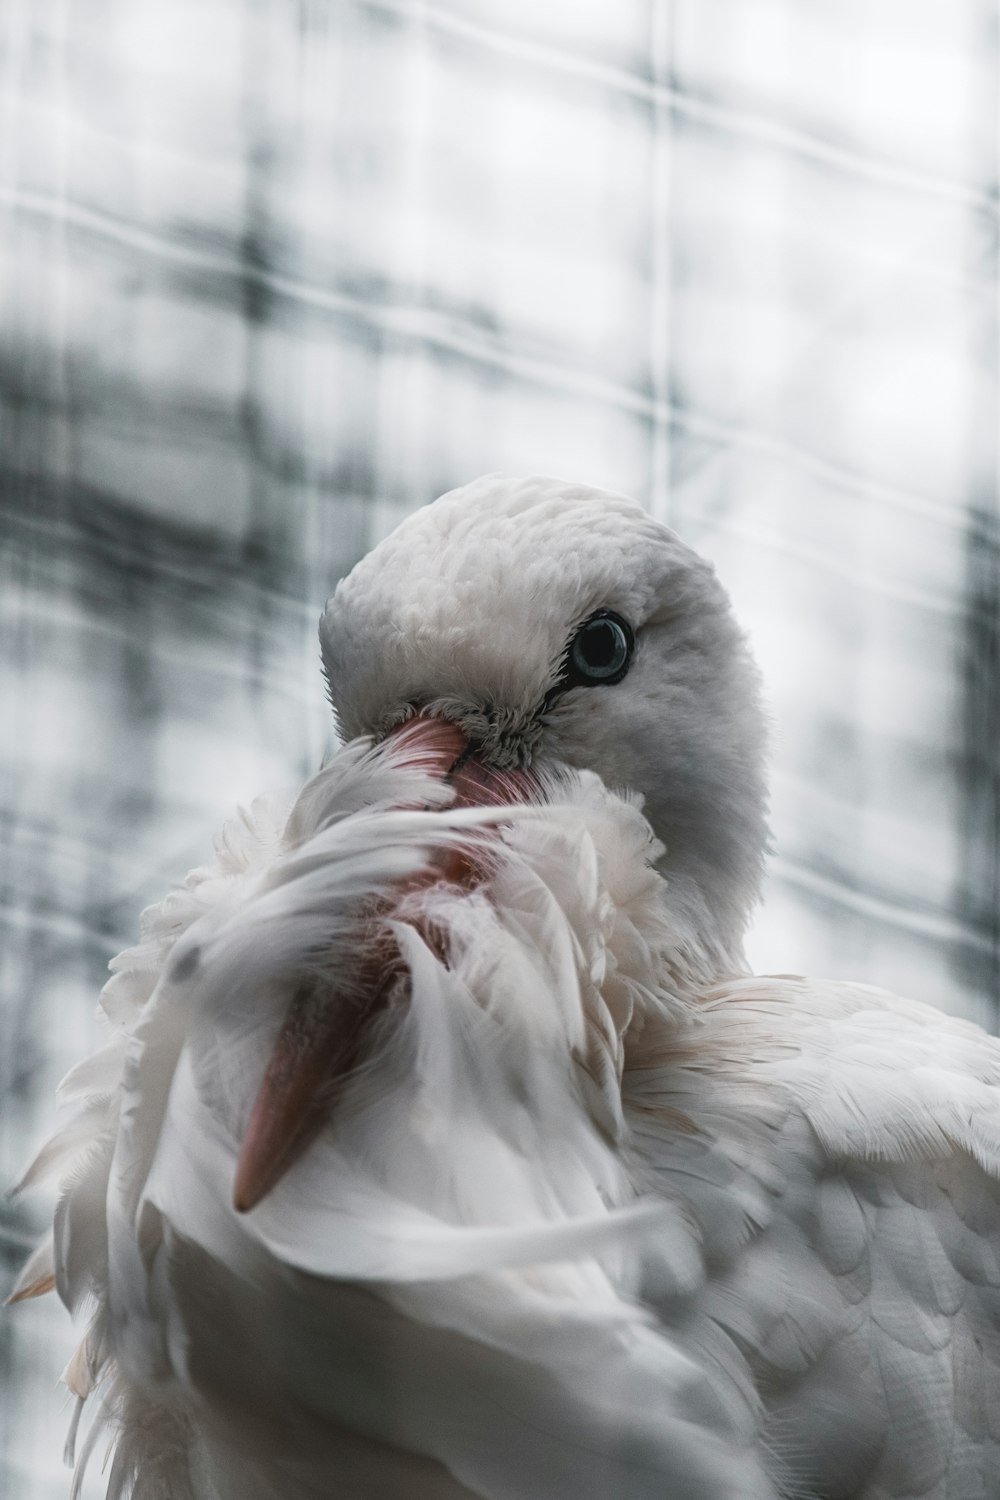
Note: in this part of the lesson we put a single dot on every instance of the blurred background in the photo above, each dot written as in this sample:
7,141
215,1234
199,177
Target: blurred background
272,274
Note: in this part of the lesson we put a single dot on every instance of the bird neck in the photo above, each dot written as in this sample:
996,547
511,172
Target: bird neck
711,883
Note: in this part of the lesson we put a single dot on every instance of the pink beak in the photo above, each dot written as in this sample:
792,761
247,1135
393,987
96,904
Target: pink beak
322,1036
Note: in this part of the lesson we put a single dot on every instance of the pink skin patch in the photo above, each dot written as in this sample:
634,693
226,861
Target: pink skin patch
322,1036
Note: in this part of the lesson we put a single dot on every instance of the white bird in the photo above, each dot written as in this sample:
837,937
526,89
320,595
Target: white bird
444,1145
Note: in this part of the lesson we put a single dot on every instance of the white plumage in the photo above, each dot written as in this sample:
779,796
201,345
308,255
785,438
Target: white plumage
583,1210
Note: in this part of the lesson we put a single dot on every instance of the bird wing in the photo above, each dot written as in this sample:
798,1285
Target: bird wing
842,1158
440,1297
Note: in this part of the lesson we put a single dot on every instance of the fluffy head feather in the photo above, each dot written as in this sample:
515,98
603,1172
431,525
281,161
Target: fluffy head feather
468,609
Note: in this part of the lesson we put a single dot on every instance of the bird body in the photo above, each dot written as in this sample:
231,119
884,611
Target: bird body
585,1209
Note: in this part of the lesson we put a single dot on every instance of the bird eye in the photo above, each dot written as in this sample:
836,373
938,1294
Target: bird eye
601,651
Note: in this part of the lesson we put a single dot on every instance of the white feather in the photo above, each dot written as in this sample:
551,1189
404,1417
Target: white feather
599,1214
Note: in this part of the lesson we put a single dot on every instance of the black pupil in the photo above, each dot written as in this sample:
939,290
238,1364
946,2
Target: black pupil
598,655
601,645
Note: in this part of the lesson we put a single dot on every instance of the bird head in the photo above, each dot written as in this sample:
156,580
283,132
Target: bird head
512,632
562,626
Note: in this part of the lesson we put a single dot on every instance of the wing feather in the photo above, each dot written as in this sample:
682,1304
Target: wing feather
870,1286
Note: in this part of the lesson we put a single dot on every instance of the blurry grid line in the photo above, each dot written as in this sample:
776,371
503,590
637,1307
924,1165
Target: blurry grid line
430,327
652,91
216,392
